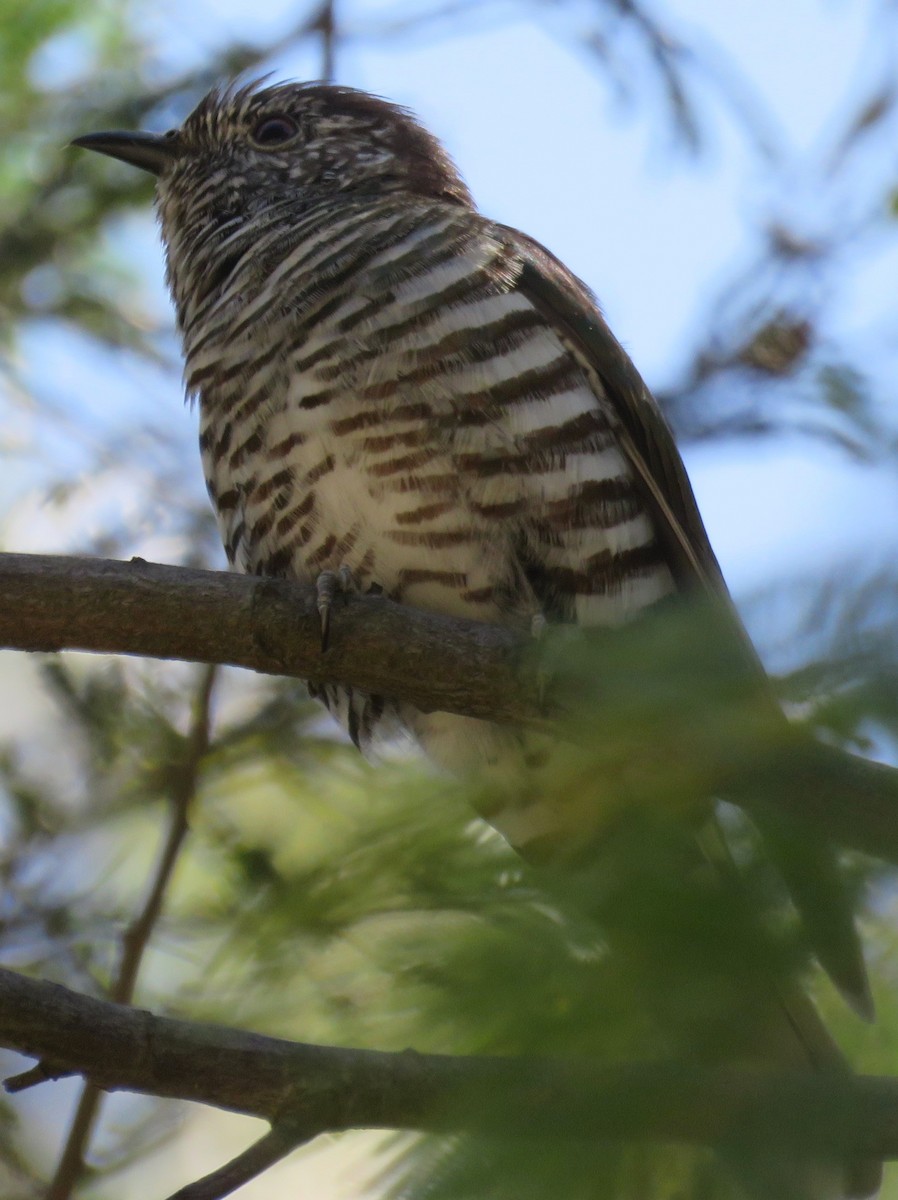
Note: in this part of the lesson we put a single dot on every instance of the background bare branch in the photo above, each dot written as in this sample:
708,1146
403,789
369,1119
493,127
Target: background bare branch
329,1088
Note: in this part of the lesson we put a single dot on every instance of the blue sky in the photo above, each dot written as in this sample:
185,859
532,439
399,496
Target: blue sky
546,144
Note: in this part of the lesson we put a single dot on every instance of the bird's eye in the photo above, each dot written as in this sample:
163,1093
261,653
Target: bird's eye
272,131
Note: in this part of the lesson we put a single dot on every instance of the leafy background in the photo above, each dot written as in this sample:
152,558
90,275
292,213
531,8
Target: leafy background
725,178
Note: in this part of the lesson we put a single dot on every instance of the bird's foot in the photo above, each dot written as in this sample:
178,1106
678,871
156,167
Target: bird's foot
328,585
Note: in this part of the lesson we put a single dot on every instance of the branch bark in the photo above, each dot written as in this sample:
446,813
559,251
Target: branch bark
50,603
316,1089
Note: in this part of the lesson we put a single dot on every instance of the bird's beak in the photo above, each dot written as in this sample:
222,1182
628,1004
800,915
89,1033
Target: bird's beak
151,152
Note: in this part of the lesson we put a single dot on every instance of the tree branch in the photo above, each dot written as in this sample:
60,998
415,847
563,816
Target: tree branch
280,1141
440,663
52,603
314,1089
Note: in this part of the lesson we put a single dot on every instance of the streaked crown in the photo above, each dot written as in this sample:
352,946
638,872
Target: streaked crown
316,138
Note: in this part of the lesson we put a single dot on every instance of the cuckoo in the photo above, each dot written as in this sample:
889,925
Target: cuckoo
397,394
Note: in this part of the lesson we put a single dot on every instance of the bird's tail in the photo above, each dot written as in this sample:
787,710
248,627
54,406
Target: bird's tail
786,1030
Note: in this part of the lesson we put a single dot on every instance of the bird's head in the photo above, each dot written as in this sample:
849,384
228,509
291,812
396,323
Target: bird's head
244,149
250,159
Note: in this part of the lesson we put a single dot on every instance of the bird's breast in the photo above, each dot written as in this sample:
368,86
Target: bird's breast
303,484
385,398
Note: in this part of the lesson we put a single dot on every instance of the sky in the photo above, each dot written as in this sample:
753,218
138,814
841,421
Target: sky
649,229
547,145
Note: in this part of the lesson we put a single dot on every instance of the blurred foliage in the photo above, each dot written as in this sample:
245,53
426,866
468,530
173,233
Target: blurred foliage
321,897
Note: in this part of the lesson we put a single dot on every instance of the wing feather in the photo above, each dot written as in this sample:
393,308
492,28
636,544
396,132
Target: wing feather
645,438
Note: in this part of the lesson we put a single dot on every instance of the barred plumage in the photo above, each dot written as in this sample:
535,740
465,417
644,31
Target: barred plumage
381,390
391,383
445,444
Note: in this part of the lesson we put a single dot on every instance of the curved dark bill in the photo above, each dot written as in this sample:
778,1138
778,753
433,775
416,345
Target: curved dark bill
150,151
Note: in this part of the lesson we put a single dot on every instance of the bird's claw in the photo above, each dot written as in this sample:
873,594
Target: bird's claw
327,586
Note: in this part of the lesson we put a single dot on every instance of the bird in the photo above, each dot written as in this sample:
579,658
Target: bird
398,395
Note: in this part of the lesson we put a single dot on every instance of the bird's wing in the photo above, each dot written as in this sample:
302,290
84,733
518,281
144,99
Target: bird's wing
571,309
811,872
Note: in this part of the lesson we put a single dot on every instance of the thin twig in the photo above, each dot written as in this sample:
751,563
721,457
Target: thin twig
326,24
136,937
41,1072
257,1158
